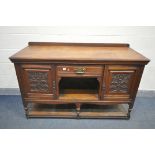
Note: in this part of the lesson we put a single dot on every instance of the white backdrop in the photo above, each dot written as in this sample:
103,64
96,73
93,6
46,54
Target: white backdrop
12,39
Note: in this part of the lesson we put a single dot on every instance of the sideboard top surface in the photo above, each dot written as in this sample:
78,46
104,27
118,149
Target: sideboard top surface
78,52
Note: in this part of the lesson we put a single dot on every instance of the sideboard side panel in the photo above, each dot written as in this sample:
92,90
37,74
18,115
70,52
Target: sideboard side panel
20,82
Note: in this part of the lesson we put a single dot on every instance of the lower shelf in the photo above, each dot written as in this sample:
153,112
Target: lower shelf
86,111
75,94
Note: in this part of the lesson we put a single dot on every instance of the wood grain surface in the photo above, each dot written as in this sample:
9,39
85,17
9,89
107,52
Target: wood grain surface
94,51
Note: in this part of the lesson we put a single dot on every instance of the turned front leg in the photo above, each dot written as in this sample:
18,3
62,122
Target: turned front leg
26,111
78,107
129,110
28,108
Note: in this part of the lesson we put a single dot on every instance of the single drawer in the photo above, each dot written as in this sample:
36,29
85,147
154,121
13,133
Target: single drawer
80,70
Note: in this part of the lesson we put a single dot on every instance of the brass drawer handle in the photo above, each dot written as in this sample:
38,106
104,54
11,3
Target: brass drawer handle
80,70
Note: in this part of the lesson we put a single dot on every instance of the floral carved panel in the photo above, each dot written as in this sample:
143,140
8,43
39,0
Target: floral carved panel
120,83
38,81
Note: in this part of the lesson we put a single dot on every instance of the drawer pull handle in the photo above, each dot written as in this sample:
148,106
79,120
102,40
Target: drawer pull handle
79,70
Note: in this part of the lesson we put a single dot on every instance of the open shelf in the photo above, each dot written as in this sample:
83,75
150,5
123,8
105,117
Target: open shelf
103,111
46,110
78,89
87,111
78,94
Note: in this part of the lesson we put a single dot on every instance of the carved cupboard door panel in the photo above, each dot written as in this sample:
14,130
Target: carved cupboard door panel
119,82
38,81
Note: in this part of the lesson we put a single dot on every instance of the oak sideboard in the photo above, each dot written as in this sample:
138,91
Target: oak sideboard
78,80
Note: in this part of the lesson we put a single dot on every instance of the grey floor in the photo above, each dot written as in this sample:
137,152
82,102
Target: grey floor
12,116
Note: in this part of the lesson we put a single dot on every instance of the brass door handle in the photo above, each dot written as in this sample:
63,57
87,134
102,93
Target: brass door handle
80,70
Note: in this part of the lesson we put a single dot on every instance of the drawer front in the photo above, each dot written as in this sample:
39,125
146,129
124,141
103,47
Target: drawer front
79,70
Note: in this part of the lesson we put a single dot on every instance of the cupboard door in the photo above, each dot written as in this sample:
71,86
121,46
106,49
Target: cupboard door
119,82
38,81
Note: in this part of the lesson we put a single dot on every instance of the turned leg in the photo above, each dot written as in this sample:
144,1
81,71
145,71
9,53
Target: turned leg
130,109
25,104
78,106
27,108
26,111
